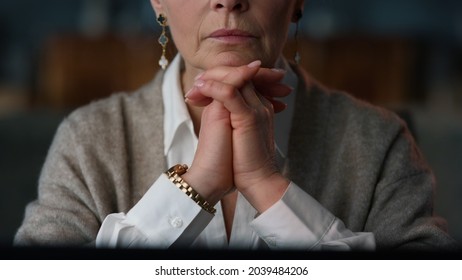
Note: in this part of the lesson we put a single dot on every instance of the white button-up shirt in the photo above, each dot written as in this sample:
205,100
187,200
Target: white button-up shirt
165,217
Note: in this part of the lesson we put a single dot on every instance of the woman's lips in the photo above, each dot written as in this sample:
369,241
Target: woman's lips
231,36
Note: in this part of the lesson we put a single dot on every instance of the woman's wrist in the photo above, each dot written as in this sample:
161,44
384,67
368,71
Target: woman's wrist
210,193
265,193
175,173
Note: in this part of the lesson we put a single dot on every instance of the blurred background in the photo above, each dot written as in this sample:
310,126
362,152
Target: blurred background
57,55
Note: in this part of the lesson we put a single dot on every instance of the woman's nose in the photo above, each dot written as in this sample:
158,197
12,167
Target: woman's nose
230,5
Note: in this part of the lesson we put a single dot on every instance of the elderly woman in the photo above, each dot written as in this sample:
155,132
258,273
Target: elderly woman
328,172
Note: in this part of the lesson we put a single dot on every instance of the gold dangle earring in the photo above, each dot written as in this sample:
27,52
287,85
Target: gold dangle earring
163,40
298,16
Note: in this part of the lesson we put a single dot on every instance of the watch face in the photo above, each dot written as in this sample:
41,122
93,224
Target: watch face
179,169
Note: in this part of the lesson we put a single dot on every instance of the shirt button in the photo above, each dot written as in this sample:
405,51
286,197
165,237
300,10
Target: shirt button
176,222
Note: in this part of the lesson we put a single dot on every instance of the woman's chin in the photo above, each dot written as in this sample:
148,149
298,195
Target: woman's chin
233,59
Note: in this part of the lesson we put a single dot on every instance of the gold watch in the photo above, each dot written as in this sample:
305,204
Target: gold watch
174,174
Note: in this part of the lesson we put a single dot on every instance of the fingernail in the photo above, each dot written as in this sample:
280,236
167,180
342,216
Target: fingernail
188,93
199,76
278,70
199,83
254,64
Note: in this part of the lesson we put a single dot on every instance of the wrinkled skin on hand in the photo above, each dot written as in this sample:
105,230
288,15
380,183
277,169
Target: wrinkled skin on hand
236,139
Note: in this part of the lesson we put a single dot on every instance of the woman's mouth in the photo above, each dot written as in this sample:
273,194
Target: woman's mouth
231,36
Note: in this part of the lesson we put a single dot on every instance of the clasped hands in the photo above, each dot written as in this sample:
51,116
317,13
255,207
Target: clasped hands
236,139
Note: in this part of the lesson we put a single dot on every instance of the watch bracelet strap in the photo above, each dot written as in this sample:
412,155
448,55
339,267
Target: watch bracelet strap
176,179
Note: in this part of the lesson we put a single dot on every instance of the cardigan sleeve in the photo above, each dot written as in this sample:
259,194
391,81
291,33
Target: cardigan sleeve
64,213
401,214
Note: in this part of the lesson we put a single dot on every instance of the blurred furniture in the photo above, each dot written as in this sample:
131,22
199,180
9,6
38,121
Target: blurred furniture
378,70
75,70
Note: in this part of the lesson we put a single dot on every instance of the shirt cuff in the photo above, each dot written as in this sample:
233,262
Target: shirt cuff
166,215
298,221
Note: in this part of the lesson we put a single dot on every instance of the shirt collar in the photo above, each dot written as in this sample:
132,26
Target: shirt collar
176,112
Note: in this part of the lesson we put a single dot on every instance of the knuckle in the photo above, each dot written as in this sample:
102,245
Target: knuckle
229,92
253,115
